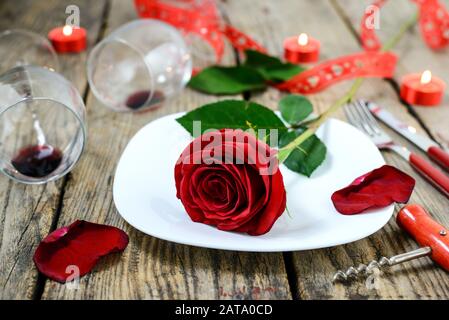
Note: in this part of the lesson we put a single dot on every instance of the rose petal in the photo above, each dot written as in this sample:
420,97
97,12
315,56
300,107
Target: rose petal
376,189
264,220
80,244
252,195
209,204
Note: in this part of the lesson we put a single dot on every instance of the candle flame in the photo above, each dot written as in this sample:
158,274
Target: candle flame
303,39
67,30
426,77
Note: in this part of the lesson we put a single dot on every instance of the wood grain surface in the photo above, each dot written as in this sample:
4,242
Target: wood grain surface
155,269
29,212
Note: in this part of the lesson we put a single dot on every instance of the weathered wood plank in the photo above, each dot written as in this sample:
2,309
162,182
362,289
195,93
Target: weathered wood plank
270,23
28,212
414,55
152,268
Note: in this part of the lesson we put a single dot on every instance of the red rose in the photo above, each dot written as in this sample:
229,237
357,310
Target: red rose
230,180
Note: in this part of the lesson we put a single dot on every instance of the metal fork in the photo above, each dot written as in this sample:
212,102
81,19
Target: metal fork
358,115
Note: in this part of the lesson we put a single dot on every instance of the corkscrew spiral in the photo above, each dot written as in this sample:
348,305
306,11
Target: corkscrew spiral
362,269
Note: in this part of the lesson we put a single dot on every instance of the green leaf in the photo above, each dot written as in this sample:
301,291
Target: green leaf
256,59
272,68
227,80
307,157
295,108
232,114
281,73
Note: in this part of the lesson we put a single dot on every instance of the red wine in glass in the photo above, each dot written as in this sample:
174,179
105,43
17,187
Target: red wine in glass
37,161
139,99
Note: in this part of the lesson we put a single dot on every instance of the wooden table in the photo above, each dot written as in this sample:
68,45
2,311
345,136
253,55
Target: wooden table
154,269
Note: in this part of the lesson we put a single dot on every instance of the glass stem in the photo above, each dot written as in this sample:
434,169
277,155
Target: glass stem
41,140
27,91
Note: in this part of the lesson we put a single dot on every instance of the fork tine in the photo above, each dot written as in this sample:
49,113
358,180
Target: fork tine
362,118
357,119
359,116
368,116
352,117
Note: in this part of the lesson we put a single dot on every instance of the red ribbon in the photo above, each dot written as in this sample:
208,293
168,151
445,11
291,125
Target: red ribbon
365,64
200,18
370,41
240,40
433,22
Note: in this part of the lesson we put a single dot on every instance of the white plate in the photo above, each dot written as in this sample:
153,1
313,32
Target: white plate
145,194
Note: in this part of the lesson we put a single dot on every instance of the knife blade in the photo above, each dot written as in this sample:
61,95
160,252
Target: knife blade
426,144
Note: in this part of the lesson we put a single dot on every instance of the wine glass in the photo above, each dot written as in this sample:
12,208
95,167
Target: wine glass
42,124
22,47
42,115
199,21
139,65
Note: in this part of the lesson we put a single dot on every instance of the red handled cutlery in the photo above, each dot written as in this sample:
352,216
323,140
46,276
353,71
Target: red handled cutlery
431,236
359,115
427,145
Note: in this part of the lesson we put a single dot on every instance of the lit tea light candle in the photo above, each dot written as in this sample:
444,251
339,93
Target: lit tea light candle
68,39
422,89
301,49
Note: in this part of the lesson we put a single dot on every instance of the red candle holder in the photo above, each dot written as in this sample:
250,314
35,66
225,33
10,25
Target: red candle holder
68,39
301,49
422,89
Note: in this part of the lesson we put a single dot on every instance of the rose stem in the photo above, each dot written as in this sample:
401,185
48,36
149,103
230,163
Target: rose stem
285,151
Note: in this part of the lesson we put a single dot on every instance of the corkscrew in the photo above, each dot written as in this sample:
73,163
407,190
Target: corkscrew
432,237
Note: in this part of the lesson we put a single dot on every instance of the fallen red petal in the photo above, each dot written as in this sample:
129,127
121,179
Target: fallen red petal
376,189
77,247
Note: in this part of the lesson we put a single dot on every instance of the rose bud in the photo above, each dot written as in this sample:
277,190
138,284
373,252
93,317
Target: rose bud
230,180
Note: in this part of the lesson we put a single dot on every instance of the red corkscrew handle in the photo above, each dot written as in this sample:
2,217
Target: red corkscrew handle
426,231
